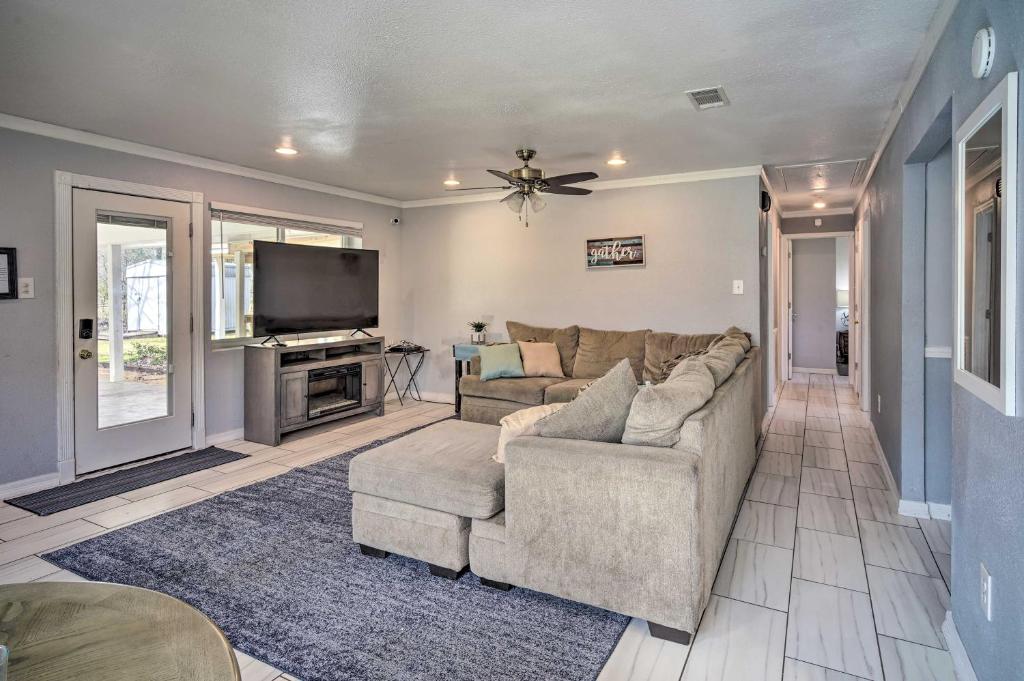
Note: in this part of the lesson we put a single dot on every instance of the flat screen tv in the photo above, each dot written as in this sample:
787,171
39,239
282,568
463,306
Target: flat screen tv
301,289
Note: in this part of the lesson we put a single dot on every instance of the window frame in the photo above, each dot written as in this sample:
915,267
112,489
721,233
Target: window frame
1002,99
344,228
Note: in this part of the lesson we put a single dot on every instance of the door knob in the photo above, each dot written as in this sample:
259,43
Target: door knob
85,354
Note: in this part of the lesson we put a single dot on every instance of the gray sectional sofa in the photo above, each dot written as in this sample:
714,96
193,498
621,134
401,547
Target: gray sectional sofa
639,530
586,354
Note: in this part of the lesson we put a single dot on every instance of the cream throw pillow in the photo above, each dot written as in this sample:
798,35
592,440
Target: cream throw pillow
541,359
522,422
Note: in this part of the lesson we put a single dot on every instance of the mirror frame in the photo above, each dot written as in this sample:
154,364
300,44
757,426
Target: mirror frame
1003,98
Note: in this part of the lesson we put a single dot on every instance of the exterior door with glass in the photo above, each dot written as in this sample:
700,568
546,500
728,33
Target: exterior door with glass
132,310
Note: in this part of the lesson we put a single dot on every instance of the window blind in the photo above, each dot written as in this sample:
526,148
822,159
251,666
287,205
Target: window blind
285,223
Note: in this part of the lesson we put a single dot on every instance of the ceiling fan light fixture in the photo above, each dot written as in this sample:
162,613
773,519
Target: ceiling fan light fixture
451,182
616,161
537,202
287,151
515,202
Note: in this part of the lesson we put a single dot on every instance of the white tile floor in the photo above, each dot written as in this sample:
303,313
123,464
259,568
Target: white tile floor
822,579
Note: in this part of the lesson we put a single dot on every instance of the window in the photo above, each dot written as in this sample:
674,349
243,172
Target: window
233,231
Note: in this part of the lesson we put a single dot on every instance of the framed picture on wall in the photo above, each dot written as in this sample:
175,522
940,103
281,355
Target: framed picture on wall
618,251
8,273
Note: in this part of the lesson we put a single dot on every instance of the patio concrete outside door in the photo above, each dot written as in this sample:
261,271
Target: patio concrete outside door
132,310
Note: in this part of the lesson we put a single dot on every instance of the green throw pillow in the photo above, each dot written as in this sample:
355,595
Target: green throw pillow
500,361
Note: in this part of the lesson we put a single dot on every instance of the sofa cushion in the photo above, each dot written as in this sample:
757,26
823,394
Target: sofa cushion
446,467
566,391
658,411
566,340
661,349
490,528
599,351
600,411
541,359
522,422
500,361
522,390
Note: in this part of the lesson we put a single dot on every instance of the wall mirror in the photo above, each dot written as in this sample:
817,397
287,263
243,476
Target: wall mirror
986,184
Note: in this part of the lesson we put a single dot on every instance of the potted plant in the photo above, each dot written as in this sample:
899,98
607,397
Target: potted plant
479,335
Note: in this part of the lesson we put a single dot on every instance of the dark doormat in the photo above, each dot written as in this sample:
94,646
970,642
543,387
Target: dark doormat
92,489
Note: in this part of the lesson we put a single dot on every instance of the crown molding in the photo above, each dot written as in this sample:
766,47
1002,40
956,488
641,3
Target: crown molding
817,213
924,55
103,142
602,185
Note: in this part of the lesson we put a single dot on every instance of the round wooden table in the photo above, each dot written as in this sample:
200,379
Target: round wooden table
91,631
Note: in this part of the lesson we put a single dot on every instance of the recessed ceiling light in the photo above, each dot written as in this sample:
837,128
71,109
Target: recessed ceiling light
452,182
819,204
617,161
287,151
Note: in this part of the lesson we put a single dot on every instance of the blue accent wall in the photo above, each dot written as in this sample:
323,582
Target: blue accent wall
987,474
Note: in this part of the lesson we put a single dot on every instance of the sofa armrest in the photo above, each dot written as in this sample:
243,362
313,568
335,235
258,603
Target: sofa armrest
613,525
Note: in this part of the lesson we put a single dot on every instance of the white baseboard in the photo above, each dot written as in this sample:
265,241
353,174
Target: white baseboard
29,485
217,438
962,666
914,509
807,370
940,511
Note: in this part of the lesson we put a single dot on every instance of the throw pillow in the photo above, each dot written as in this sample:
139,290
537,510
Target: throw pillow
669,365
541,359
658,411
599,351
522,422
500,361
599,413
722,360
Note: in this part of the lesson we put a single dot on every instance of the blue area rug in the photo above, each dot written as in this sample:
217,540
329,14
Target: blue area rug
274,565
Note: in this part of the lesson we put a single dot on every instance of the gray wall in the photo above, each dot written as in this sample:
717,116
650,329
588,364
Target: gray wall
938,327
470,261
988,467
829,223
28,431
814,300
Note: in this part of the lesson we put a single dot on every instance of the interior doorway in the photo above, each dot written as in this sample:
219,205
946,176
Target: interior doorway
819,291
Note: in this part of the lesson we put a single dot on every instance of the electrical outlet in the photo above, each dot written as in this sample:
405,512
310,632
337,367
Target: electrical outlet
737,287
986,593
879,400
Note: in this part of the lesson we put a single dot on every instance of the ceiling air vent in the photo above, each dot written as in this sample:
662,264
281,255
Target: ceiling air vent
708,98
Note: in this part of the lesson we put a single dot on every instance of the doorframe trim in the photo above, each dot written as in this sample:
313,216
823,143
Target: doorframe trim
64,183
786,285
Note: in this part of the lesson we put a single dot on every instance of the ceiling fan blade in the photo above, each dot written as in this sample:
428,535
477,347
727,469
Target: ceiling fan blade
571,178
505,176
571,191
469,189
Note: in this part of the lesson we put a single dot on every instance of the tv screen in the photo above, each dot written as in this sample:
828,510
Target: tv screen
299,289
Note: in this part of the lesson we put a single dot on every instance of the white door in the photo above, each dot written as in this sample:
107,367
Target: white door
855,307
132,310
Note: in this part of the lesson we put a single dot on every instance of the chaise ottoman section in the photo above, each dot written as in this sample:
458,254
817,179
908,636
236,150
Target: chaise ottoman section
415,496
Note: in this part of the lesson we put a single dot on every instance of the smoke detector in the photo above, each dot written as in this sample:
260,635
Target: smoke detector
708,98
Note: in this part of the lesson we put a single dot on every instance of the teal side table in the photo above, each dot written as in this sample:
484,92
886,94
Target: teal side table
462,352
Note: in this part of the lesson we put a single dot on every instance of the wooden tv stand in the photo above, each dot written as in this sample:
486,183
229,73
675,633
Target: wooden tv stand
308,382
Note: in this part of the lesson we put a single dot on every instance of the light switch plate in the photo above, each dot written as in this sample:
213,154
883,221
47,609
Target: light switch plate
737,287
26,287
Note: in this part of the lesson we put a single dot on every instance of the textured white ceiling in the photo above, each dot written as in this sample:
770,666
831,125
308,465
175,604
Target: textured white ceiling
391,97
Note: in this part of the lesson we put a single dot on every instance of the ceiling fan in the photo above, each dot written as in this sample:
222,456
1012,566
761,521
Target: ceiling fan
529,183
